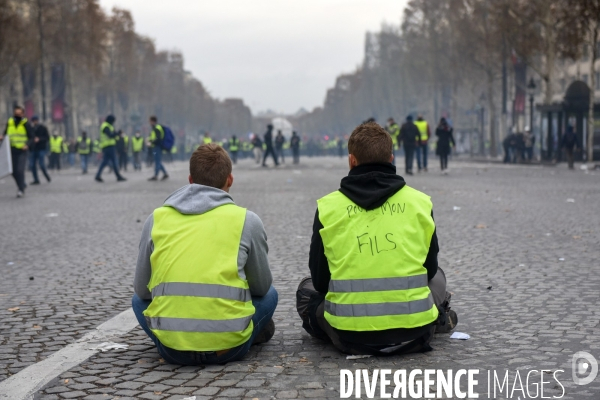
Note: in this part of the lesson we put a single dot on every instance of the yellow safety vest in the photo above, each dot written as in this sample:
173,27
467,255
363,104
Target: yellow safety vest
17,133
65,148
105,140
161,132
96,146
85,149
234,144
56,144
376,258
422,126
394,131
206,140
137,144
199,300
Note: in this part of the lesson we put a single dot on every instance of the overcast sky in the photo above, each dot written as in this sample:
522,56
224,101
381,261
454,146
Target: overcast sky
277,54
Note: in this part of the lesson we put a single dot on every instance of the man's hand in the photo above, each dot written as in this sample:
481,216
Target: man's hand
25,147
35,140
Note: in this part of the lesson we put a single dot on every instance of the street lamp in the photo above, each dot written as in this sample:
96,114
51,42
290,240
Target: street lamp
531,89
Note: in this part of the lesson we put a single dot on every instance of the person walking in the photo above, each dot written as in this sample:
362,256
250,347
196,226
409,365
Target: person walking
203,287
380,292
56,146
422,148
295,145
257,148
157,135
21,137
107,144
122,150
137,147
410,137
84,148
569,142
394,130
444,142
234,148
268,140
39,149
72,148
279,142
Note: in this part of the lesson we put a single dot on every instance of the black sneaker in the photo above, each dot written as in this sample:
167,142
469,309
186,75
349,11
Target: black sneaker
266,334
98,179
165,177
121,179
154,178
451,322
35,183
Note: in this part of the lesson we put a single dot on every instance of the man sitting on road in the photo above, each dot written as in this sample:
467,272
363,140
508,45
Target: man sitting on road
202,283
375,285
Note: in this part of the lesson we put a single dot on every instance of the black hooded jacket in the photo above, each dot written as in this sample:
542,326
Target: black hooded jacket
369,186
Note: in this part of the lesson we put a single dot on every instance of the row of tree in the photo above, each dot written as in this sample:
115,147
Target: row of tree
73,64
454,57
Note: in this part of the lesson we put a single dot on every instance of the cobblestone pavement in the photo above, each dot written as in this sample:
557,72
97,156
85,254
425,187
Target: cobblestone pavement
521,262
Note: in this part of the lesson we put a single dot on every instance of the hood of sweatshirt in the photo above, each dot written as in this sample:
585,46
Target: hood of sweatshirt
197,199
371,185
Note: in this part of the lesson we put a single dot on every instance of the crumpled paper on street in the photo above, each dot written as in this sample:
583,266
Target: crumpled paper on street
106,346
357,357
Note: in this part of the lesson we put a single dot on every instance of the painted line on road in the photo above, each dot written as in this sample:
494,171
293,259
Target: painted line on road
24,384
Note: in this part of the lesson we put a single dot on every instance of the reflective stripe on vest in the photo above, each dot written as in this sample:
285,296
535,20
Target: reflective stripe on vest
234,144
379,309
376,258
17,133
199,325
105,140
86,148
199,300
422,126
56,144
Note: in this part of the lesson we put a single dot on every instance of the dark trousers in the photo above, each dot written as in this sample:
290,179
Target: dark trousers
422,153
444,161
296,153
280,154
137,160
409,153
109,158
270,151
19,163
54,161
38,157
123,160
264,308
310,307
234,156
158,162
570,157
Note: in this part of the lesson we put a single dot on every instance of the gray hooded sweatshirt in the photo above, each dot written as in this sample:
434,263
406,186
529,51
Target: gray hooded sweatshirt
253,263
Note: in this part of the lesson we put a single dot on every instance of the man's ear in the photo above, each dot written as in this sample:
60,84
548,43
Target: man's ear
190,179
352,161
392,159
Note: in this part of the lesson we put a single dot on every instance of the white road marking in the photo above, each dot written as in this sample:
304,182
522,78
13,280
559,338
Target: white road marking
24,384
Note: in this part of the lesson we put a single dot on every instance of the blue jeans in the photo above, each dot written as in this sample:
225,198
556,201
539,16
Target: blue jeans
84,162
38,157
109,157
157,162
264,309
422,150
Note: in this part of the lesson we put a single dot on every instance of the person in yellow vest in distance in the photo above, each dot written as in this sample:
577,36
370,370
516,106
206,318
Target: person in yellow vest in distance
84,148
157,136
107,144
122,150
423,148
375,286
234,148
137,147
394,130
206,139
203,286
21,137
56,148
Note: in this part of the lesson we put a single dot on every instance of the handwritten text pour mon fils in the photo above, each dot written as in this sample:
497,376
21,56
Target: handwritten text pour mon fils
386,208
